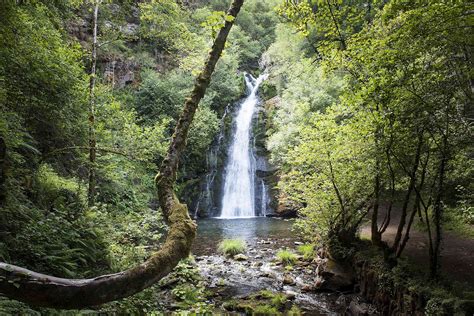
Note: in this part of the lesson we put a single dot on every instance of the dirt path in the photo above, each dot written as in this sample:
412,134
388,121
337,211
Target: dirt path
457,255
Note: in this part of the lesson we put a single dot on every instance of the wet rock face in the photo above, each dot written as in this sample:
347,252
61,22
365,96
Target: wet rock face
120,73
284,207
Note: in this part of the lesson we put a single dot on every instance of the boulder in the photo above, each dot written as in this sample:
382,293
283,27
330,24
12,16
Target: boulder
337,277
358,309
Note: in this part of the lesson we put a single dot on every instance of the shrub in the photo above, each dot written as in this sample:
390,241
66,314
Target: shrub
232,247
287,257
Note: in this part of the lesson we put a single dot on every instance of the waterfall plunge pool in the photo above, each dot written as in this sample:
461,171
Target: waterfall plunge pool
211,231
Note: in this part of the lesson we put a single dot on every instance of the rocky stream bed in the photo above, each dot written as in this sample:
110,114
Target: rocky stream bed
256,282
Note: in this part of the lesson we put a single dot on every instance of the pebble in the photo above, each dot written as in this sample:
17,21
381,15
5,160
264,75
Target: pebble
287,279
290,295
241,257
306,288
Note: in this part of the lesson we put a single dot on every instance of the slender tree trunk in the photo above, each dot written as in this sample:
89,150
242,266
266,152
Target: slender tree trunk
387,218
376,235
45,290
336,190
92,140
438,210
416,208
410,188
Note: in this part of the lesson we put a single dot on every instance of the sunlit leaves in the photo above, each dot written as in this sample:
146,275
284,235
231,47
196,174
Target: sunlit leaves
215,21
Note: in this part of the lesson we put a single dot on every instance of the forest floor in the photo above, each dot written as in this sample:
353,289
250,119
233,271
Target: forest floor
457,254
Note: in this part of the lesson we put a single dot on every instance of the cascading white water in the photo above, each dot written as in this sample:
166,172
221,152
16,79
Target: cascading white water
238,199
263,199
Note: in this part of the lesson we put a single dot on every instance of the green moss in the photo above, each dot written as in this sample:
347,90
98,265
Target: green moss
277,300
260,303
232,247
294,311
265,310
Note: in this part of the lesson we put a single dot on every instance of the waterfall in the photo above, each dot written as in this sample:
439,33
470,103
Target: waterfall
263,199
238,198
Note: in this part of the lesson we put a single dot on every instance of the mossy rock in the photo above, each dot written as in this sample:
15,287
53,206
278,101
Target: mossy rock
262,303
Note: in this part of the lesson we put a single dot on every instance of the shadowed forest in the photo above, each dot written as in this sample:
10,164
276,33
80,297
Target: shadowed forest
245,157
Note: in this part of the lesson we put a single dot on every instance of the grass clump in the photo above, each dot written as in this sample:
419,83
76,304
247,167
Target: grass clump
286,257
294,311
232,247
265,310
277,300
307,251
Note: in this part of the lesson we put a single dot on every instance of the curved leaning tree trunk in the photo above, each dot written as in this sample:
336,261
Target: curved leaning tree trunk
44,290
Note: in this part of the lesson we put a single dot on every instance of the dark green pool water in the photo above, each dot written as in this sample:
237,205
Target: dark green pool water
211,231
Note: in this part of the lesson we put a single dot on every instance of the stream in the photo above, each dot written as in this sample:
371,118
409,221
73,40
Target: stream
235,279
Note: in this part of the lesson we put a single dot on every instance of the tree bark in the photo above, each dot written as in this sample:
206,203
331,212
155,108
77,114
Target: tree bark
416,207
438,210
387,218
44,290
92,139
376,236
406,202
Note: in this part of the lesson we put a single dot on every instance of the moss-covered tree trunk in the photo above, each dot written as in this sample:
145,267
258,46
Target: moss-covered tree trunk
45,290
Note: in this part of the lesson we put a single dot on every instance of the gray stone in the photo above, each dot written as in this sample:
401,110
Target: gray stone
358,309
241,257
287,279
290,294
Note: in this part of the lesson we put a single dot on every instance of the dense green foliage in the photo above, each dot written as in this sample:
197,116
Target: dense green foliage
374,114
147,56
370,122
